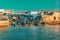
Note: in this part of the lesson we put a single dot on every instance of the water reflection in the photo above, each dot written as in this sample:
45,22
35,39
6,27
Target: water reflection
2,28
54,27
31,33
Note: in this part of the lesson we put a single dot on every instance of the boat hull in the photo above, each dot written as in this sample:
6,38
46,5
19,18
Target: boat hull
5,22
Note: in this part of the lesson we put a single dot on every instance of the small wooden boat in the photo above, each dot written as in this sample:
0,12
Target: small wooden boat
5,22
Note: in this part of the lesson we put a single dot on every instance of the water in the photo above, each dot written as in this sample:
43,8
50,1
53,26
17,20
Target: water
31,33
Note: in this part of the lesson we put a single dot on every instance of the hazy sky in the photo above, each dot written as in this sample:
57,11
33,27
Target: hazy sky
29,4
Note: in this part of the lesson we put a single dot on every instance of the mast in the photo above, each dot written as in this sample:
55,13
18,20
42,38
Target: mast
57,5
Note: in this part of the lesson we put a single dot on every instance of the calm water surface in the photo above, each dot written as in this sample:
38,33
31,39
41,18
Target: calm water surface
31,33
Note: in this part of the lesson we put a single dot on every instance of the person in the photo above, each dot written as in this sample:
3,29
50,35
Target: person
13,22
18,21
36,20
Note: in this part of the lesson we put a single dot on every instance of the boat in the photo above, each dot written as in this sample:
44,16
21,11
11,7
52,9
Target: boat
54,18
5,23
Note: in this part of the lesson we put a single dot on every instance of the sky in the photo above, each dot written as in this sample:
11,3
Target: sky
29,4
